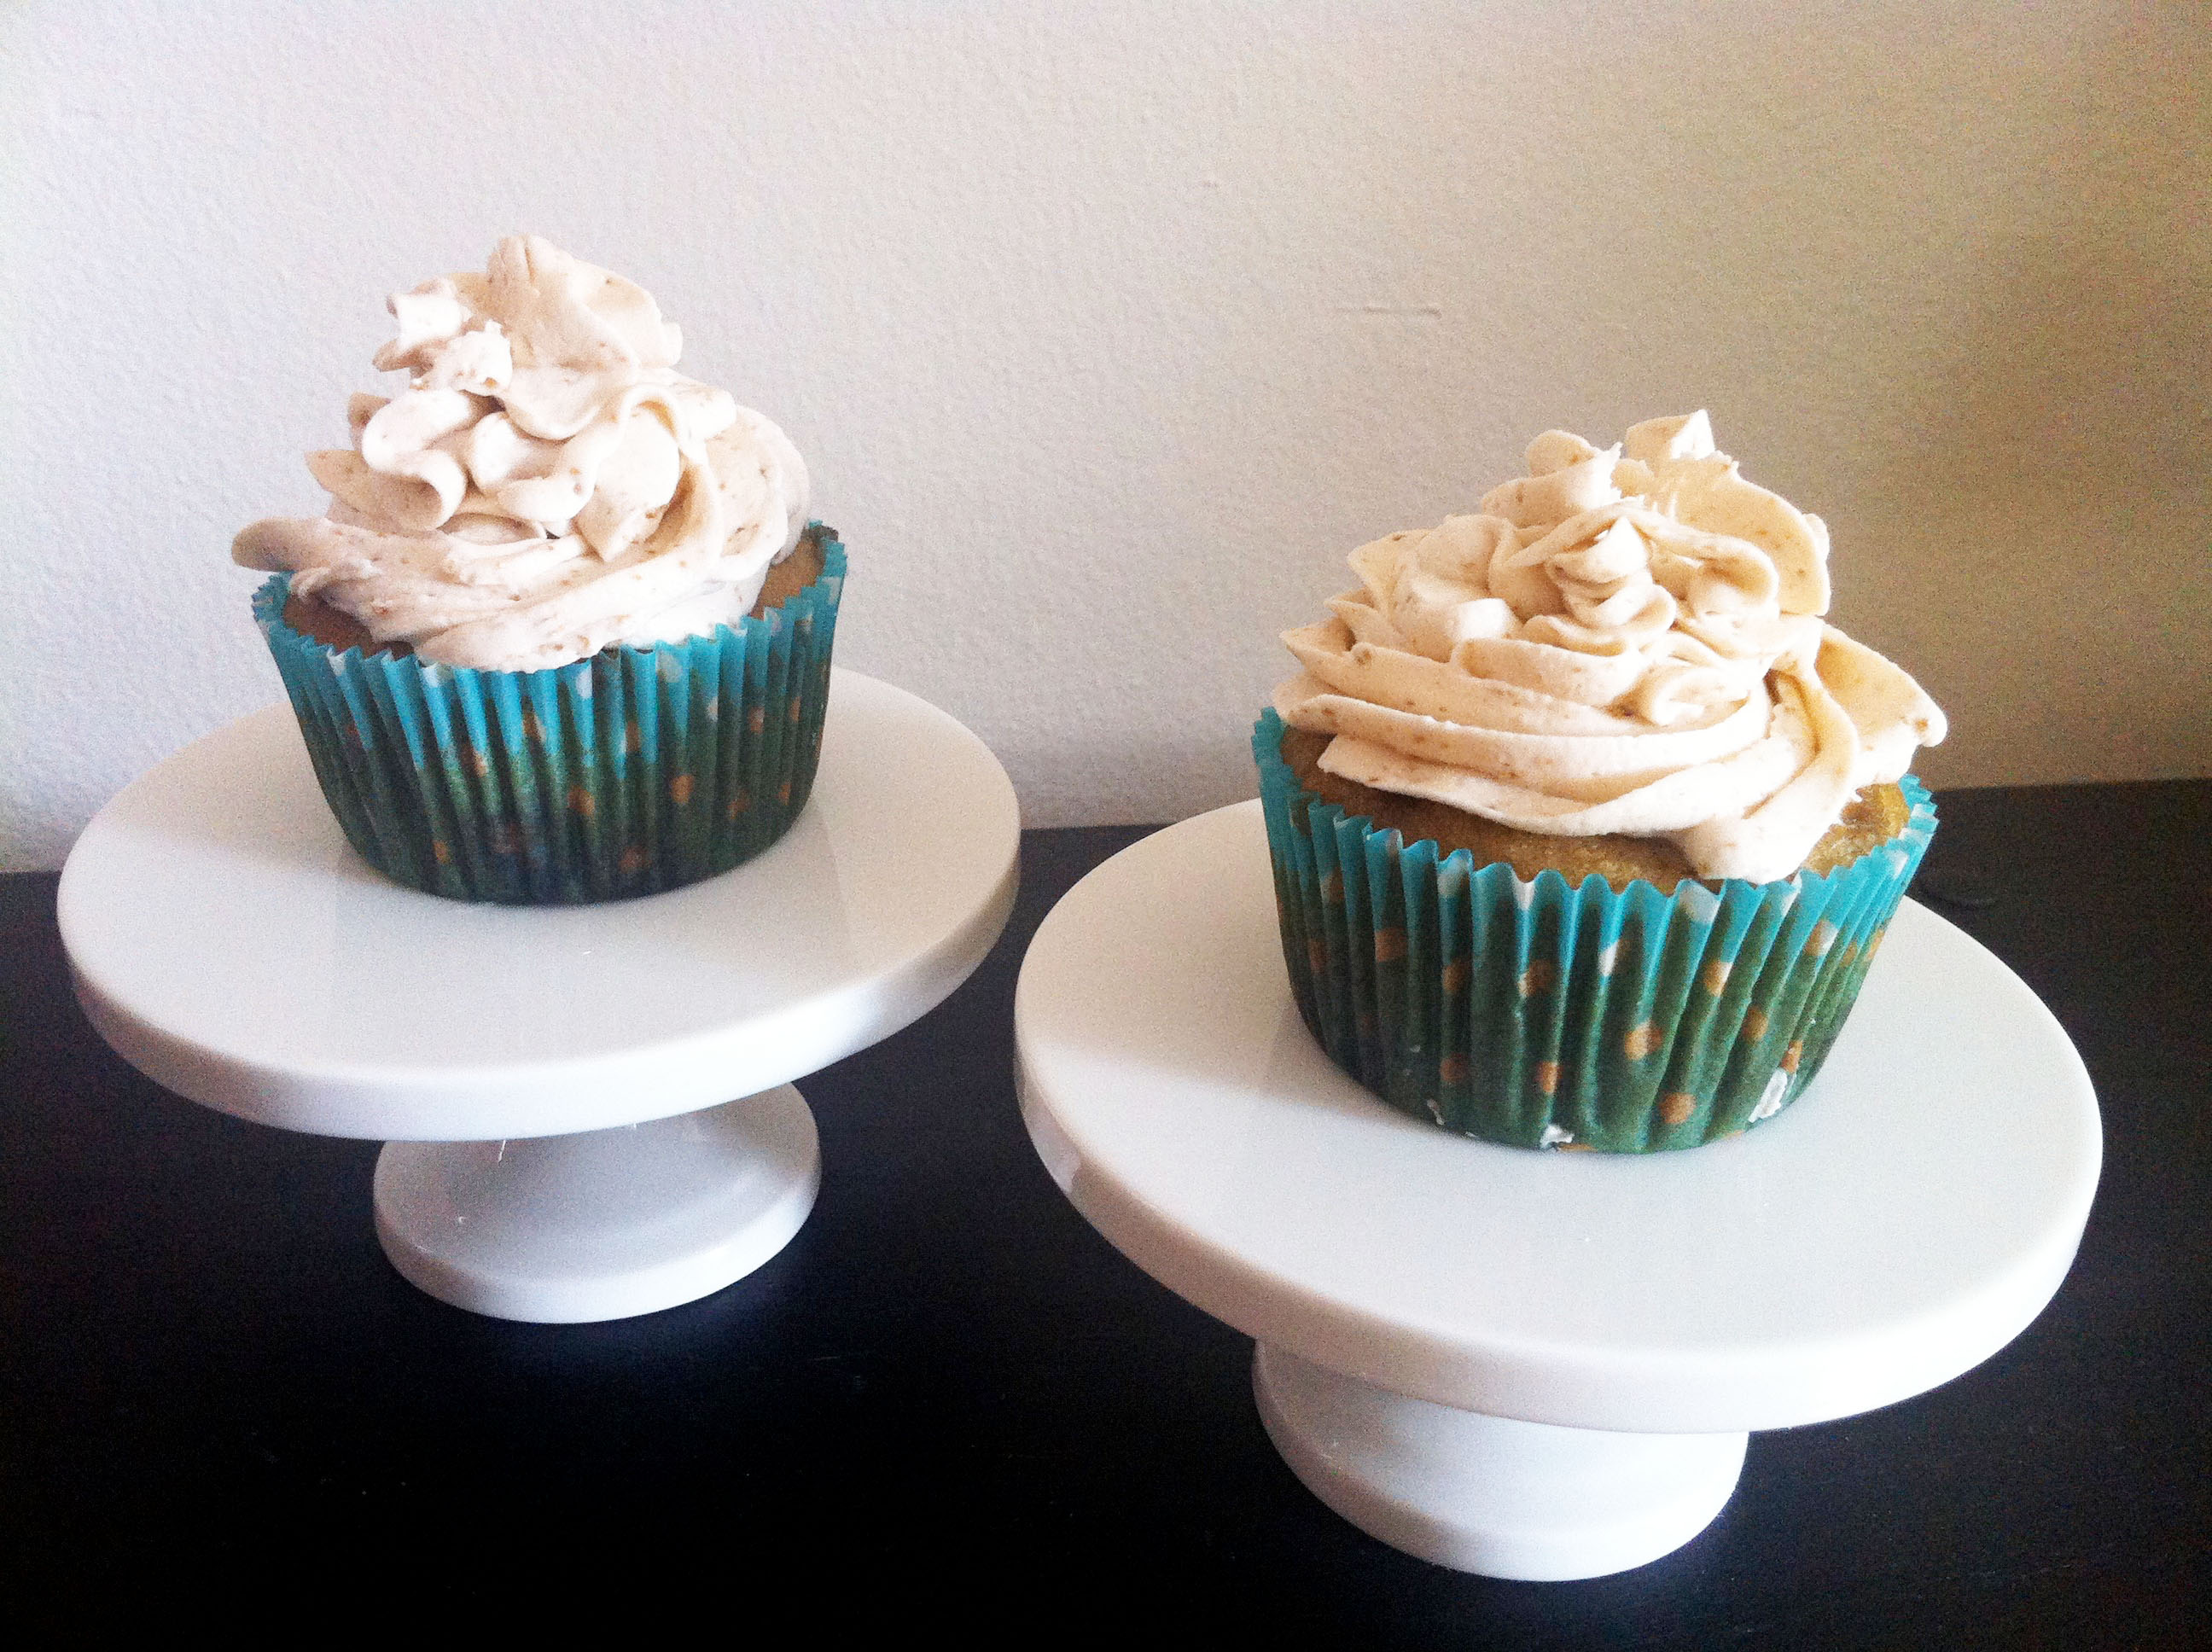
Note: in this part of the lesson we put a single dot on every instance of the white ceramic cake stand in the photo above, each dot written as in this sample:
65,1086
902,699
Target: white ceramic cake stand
1542,1365
554,1083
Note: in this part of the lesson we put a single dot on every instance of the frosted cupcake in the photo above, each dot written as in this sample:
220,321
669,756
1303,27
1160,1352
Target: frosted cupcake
564,633
1585,824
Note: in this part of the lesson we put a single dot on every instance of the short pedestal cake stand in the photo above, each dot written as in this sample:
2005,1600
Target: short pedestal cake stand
1542,1365
555,1083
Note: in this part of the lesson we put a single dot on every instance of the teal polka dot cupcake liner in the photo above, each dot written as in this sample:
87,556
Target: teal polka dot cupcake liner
636,770
1542,1015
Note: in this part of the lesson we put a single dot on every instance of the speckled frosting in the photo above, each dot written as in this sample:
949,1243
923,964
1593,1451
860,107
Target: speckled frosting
547,484
1624,641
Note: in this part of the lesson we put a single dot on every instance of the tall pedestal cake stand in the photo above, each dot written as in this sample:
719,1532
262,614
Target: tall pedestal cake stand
555,1083
1542,1365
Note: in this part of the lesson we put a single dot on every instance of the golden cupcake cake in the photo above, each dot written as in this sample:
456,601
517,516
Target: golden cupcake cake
563,634
1586,824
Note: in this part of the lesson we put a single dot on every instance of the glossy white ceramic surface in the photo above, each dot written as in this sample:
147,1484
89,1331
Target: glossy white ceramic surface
606,1223
1899,1223
228,943
1488,1494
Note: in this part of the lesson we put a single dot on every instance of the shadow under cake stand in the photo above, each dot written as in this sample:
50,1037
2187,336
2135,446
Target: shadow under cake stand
1542,1365
553,1083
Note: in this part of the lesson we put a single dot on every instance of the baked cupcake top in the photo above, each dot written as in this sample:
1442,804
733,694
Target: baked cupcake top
1626,640
547,484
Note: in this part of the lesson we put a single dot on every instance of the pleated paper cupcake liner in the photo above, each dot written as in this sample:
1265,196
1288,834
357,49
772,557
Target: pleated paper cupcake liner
636,770
1543,1015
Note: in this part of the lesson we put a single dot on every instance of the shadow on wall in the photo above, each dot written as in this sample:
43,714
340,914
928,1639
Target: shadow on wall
2054,484
1102,776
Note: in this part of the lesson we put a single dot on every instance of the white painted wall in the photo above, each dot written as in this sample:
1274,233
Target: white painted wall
1109,330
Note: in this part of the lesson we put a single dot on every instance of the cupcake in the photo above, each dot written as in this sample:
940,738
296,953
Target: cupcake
1585,824
564,633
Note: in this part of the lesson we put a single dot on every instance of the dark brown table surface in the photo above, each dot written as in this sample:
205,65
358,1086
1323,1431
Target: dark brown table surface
948,1402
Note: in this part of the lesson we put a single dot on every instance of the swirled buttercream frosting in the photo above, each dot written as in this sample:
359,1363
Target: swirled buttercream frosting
1626,640
547,484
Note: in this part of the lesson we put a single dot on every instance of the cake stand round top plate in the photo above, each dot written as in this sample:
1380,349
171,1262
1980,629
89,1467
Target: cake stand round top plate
1901,1223
231,946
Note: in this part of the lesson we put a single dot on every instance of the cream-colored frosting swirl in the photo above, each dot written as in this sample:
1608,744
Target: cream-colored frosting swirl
1621,641
547,484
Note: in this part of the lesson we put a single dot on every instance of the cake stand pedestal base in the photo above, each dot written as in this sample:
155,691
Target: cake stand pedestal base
604,1224
1489,1494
